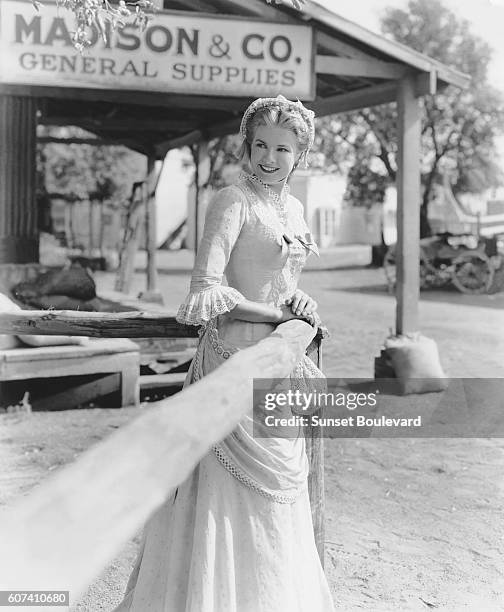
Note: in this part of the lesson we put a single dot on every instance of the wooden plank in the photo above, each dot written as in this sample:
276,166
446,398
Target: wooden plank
80,394
326,42
178,142
75,366
145,98
130,389
362,98
118,124
95,324
427,84
408,208
70,527
93,349
342,66
160,381
371,96
93,142
18,206
315,454
257,8
136,324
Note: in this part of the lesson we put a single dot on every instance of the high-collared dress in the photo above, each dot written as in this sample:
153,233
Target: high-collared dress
237,535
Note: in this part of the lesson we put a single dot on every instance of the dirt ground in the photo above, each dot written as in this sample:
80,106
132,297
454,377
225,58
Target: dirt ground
411,524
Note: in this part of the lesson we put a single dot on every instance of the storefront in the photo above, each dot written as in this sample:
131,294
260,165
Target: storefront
186,79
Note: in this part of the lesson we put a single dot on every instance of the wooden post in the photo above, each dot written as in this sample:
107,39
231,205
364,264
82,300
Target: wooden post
18,206
315,453
408,207
151,294
201,163
136,212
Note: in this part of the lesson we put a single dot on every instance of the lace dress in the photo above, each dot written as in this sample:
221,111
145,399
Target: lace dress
237,535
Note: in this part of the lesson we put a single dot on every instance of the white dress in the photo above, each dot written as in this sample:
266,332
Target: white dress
237,535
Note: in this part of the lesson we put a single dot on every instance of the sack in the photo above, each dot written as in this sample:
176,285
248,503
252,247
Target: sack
416,363
74,282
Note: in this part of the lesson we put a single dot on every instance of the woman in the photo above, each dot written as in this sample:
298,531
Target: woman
237,536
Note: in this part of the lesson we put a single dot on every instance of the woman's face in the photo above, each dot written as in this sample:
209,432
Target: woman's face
273,153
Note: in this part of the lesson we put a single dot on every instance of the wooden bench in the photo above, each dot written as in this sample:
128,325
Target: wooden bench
116,358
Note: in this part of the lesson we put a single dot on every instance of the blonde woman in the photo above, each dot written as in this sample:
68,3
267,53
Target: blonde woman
237,536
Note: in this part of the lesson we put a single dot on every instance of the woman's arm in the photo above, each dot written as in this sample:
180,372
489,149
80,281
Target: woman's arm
257,312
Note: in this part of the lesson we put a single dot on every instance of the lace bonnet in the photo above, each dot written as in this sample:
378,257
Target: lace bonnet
284,105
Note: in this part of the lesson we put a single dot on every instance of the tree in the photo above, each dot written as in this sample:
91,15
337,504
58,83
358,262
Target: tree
458,128
84,171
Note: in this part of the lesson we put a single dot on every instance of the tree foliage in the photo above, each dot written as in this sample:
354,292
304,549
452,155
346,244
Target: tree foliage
81,171
458,127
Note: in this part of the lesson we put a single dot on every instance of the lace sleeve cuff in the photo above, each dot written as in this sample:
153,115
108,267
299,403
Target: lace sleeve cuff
201,306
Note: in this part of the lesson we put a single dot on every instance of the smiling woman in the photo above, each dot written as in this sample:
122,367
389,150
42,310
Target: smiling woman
238,534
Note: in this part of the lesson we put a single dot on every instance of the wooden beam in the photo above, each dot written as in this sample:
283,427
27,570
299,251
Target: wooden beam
372,95
70,527
338,47
120,124
135,324
94,142
258,8
342,66
95,324
18,206
153,174
200,5
216,131
427,84
143,98
177,143
362,98
79,394
408,207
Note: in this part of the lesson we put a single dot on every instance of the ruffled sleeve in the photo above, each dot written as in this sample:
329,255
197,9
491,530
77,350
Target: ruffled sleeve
208,297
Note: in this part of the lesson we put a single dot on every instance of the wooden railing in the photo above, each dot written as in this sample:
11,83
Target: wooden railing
70,527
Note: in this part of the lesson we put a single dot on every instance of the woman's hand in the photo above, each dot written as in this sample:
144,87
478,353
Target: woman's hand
302,304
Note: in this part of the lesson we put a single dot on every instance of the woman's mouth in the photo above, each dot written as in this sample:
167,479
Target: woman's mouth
268,169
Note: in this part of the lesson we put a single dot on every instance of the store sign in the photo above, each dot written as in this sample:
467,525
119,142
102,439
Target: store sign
174,54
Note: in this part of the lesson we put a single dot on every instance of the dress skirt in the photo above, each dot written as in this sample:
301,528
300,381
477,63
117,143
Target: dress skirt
237,535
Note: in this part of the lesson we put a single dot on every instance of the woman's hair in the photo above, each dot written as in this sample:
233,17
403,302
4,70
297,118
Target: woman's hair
275,117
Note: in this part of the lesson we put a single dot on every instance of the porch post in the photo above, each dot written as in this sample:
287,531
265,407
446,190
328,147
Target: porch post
18,206
152,293
408,207
202,172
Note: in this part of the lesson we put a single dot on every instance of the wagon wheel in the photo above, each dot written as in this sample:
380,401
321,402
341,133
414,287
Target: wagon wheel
472,273
389,267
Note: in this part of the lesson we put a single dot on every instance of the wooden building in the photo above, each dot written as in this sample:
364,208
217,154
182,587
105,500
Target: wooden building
187,79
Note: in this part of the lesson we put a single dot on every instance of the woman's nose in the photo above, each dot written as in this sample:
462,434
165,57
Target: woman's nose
269,155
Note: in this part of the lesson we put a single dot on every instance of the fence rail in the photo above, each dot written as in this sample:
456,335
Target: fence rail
67,530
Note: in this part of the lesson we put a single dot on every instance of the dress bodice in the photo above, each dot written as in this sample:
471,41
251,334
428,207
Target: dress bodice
268,257
246,245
